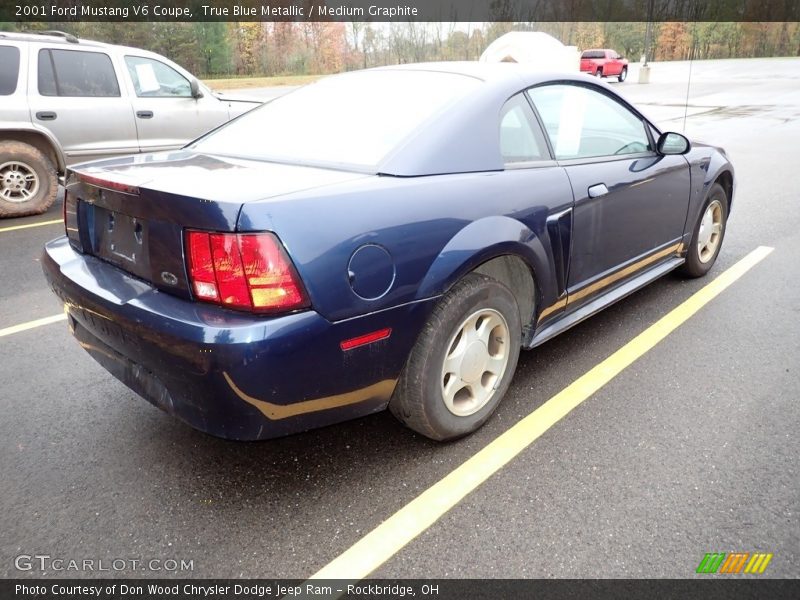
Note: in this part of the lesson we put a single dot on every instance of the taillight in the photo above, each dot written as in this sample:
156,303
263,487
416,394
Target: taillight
243,270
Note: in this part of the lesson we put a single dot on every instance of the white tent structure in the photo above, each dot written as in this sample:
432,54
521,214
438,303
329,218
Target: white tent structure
533,48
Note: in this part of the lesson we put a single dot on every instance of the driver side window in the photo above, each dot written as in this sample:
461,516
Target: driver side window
585,123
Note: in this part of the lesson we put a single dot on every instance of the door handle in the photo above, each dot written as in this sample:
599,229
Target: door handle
597,190
144,114
46,115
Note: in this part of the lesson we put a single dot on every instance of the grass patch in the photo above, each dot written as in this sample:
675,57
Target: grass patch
242,83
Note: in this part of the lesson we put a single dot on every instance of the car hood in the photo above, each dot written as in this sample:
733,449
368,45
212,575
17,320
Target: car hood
214,178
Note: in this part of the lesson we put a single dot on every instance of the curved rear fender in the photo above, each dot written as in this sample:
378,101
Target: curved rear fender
484,240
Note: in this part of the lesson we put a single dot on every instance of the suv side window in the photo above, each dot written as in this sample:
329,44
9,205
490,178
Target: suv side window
585,123
76,73
521,139
154,79
9,74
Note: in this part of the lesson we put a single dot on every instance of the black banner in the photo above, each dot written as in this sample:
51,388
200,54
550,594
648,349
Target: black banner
400,10
440,589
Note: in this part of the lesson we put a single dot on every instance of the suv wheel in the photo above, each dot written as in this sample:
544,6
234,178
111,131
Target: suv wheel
28,184
623,74
598,73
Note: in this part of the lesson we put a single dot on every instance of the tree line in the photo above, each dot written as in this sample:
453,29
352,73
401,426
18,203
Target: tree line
262,49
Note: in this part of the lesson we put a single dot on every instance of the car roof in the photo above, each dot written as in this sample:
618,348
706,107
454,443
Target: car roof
501,74
48,38
68,40
464,138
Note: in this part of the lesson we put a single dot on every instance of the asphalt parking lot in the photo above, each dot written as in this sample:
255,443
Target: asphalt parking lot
691,449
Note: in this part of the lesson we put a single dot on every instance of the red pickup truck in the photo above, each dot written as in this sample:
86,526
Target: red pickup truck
604,63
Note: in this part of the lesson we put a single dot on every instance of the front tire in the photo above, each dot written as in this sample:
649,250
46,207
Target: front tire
709,232
463,361
623,74
28,184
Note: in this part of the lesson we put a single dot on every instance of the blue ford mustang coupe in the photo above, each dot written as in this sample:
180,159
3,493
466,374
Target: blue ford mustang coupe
389,237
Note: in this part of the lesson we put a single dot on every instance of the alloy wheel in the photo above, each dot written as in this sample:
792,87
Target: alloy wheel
476,360
710,233
18,182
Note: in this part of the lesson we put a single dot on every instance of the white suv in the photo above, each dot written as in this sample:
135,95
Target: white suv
65,100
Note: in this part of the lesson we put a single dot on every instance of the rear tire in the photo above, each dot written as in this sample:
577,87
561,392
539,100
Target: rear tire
463,361
709,231
28,183
623,74
599,73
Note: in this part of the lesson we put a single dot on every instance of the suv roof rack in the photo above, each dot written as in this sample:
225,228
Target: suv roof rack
67,36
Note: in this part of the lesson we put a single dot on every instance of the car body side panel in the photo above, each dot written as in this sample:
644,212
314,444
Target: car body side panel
86,128
435,228
644,209
15,116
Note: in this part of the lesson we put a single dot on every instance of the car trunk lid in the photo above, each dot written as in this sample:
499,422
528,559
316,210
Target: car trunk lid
132,212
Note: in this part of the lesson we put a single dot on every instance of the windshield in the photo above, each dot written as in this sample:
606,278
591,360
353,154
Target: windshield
349,120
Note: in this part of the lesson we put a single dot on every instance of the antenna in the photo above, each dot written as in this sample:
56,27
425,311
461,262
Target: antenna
689,81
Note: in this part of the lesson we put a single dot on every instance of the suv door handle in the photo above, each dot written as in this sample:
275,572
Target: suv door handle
46,116
144,114
598,190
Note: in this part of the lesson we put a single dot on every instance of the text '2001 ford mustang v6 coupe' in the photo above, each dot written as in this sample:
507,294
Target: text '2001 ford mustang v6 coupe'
390,237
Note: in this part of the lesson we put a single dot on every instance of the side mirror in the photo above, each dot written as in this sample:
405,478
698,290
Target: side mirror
673,143
195,88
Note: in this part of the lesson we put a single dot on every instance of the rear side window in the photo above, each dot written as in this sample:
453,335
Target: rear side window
521,139
77,74
9,73
594,54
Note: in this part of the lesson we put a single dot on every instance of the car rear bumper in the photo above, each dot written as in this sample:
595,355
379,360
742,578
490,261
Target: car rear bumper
229,374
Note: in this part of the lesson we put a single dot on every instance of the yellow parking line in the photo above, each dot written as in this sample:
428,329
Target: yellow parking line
29,225
31,324
394,533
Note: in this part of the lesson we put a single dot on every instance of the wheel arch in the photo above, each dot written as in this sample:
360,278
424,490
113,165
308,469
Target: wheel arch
725,179
504,249
39,140
517,275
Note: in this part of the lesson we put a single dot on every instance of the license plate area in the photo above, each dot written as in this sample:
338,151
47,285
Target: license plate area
121,240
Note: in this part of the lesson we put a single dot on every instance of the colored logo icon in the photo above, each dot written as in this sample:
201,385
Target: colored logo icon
734,563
